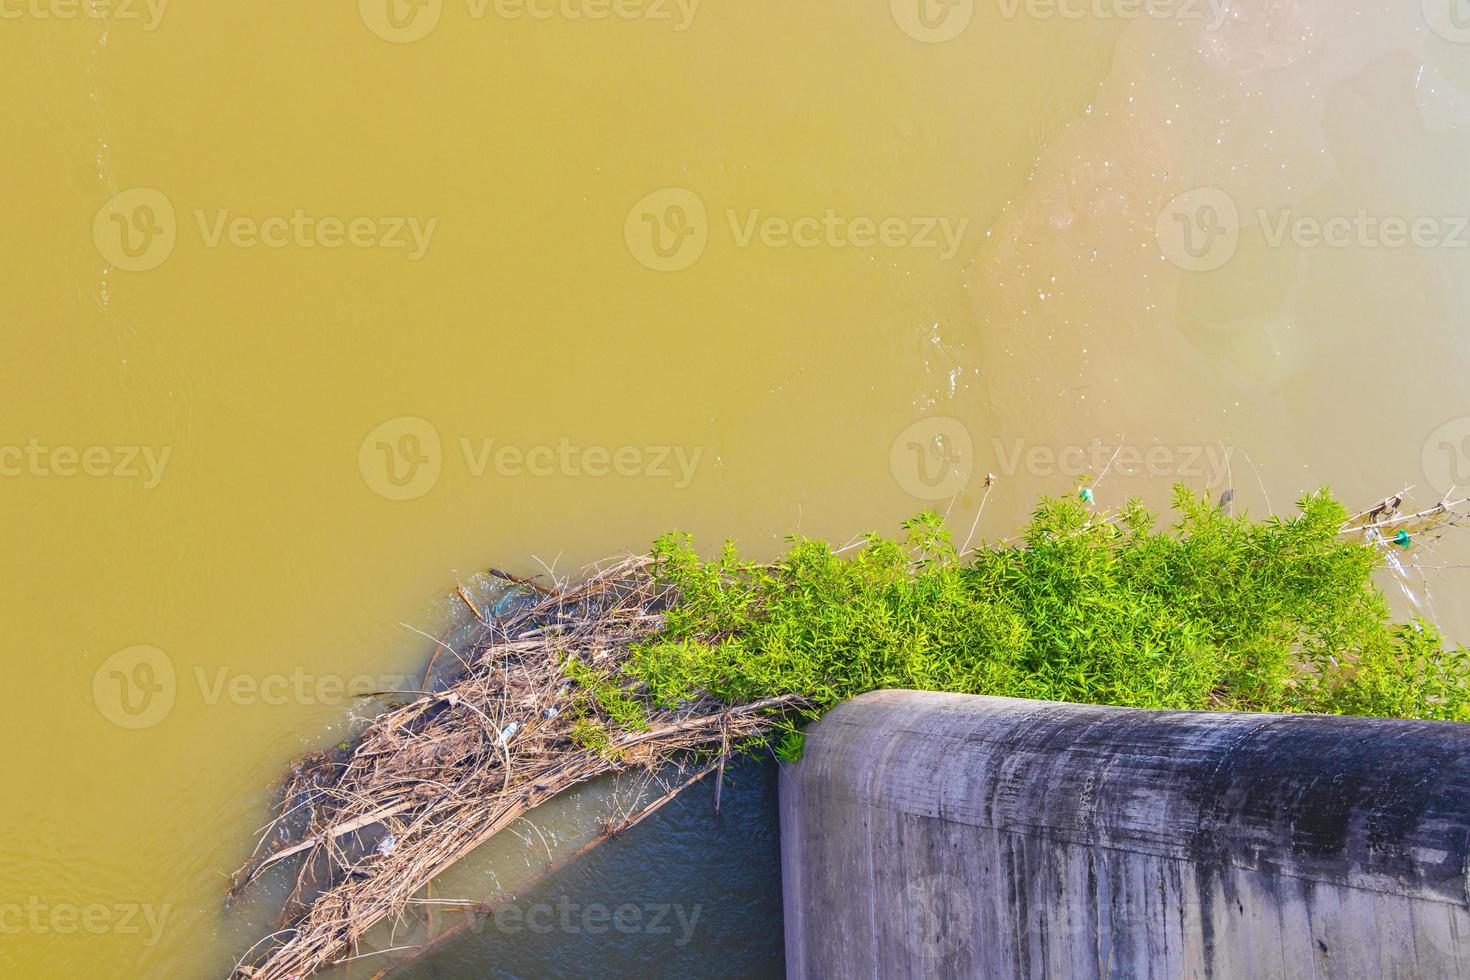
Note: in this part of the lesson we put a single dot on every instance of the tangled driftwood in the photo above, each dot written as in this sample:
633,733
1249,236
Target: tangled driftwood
432,779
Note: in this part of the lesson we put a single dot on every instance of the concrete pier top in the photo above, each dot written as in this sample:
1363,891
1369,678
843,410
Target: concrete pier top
932,834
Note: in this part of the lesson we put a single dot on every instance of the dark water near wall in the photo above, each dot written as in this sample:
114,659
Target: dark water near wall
679,895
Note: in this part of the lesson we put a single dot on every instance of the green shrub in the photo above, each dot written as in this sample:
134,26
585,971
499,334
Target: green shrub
1215,612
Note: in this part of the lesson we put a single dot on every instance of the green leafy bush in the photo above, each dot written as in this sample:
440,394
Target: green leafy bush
1215,612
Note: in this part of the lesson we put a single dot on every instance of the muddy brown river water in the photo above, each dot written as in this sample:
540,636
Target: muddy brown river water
312,313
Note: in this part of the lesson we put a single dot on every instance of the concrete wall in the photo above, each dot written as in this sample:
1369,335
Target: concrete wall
929,835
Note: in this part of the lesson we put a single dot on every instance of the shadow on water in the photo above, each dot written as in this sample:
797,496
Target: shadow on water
681,894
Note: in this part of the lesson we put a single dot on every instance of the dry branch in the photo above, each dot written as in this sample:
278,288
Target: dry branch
431,780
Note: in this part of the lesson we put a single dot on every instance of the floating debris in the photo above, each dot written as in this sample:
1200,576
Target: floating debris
431,780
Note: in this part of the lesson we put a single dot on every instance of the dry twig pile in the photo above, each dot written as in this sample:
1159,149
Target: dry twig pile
434,778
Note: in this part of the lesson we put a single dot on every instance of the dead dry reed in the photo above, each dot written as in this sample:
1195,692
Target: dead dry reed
432,779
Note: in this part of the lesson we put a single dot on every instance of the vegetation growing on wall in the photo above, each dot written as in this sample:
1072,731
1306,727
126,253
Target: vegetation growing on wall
1212,612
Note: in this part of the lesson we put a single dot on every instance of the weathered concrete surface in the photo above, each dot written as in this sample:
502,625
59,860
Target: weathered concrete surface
930,835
